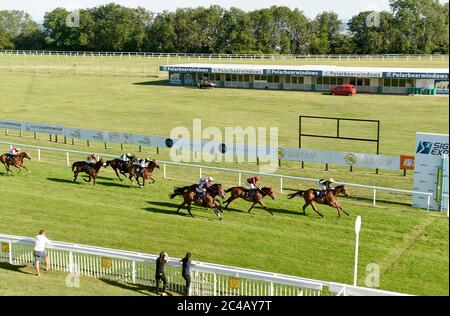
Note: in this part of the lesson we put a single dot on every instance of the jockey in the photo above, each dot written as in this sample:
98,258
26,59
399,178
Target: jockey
202,185
252,184
14,151
126,157
325,184
91,159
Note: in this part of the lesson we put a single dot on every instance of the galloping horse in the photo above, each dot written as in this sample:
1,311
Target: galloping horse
257,198
330,198
82,166
146,173
190,196
213,190
15,161
124,167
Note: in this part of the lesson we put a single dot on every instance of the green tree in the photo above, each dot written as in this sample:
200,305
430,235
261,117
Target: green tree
325,27
15,24
422,26
372,32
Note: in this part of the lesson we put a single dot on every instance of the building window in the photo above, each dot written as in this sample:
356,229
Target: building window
228,77
276,79
216,77
319,80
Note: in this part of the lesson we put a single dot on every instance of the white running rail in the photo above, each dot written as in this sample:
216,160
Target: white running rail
239,172
139,268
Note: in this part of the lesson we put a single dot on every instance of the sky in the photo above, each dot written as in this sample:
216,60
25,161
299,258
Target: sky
344,8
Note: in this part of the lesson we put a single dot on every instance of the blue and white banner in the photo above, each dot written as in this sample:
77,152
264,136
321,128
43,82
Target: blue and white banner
340,158
44,128
18,126
416,75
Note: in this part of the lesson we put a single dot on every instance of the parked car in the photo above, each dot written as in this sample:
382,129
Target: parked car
344,89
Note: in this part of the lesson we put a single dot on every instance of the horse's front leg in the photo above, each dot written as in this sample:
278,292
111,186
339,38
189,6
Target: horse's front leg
315,209
254,203
75,176
264,207
29,172
340,207
115,169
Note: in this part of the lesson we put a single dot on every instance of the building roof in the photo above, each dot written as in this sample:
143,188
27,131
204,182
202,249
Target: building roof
312,70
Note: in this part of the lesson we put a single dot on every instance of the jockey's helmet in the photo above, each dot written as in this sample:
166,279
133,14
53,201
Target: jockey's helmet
210,179
331,180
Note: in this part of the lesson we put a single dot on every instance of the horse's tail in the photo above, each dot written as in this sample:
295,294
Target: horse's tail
178,191
73,166
293,195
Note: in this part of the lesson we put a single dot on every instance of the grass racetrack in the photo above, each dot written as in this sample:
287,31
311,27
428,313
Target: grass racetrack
409,245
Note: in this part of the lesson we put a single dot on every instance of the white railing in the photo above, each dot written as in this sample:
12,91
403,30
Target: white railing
225,56
164,164
207,279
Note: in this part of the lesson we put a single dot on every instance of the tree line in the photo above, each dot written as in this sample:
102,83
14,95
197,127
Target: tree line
411,27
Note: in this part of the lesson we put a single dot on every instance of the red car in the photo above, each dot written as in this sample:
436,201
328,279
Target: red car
344,89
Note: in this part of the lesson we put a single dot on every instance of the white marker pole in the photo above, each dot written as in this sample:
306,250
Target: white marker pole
357,230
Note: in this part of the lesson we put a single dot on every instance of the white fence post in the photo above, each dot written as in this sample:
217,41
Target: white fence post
133,273
10,252
240,179
67,158
374,197
71,262
164,171
39,154
428,202
200,172
281,184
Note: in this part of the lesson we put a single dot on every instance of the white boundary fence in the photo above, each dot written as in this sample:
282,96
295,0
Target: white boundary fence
164,164
226,56
139,268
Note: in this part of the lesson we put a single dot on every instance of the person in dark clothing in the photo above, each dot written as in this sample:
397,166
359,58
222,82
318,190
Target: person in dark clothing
160,273
186,272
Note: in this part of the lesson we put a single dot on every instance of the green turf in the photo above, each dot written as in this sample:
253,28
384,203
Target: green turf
113,214
410,246
149,66
139,106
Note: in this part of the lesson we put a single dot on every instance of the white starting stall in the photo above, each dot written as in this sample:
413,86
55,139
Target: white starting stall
431,170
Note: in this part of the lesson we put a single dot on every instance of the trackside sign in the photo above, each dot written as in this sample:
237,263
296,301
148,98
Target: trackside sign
430,150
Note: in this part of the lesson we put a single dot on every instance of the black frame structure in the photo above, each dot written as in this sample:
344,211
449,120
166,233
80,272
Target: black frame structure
338,135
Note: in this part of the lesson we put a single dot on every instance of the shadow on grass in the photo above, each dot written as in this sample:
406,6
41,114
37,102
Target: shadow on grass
258,208
143,289
115,184
171,209
163,82
13,268
370,200
63,181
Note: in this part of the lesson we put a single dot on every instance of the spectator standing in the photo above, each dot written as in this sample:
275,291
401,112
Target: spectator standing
40,244
186,271
160,273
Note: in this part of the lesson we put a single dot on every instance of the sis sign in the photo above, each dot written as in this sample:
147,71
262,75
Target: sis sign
431,163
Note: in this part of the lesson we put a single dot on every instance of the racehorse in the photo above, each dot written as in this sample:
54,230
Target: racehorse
124,167
82,166
329,198
190,196
146,173
15,161
256,198
213,190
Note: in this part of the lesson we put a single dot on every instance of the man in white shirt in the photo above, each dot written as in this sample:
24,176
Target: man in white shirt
40,243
